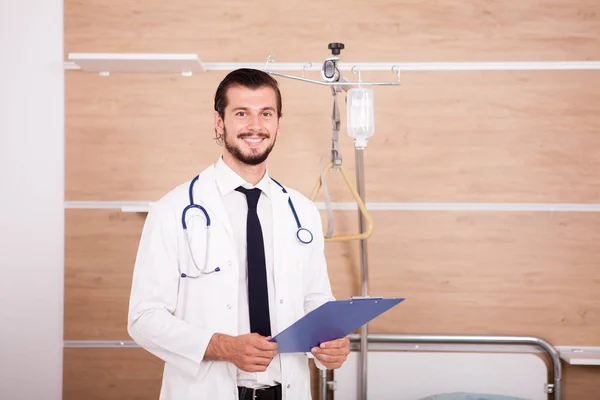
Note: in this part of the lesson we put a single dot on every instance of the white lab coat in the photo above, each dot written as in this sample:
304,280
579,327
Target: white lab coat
174,318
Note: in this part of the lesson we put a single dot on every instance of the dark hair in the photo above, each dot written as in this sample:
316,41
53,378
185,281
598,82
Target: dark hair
246,77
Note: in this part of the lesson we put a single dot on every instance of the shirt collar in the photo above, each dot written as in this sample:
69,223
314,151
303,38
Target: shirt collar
228,180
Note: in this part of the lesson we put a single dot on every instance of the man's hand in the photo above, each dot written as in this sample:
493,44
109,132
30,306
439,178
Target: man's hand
251,352
332,354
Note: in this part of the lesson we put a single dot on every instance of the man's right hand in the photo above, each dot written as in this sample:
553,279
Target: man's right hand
251,352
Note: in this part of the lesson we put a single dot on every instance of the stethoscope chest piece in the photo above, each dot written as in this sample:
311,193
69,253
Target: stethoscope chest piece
304,236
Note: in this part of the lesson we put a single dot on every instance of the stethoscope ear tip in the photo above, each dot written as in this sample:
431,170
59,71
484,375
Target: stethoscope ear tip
217,269
183,275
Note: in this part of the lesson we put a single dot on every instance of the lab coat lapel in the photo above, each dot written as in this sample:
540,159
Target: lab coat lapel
208,193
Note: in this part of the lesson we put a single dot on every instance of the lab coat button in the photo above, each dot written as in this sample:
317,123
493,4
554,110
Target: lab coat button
229,306
229,262
289,386
280,301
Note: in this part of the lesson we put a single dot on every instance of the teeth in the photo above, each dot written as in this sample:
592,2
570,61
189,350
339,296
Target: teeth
253,140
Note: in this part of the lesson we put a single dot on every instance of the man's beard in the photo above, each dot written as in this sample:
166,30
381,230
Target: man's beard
252,159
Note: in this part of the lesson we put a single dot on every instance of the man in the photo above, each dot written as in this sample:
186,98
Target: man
220,268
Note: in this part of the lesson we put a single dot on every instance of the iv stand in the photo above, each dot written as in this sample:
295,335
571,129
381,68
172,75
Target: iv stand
331,77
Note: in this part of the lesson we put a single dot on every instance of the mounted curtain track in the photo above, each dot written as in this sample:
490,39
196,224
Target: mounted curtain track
416,66
95,344
124,206
143,207
107,63
582,355
190,63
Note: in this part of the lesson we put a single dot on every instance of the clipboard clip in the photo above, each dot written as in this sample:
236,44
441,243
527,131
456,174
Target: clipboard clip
353,298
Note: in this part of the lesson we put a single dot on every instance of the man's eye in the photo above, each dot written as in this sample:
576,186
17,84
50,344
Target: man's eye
267,113
240,113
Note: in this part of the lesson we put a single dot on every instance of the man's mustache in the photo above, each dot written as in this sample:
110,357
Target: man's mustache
259,135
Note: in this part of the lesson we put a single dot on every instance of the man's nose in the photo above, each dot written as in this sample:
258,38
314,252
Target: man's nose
255,123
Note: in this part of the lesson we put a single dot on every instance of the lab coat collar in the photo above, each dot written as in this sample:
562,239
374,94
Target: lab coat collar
227,180
207,191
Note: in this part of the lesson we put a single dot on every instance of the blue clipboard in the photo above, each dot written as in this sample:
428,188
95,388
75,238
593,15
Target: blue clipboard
333,320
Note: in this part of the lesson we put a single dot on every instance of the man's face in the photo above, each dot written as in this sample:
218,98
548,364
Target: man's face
250,123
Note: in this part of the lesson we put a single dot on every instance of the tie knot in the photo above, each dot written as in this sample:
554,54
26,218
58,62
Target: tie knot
252,196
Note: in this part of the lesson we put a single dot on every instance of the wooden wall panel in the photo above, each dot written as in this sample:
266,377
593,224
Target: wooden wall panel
100,252
111,374
380,30
441,136
445,136
480,273
461,272
581,382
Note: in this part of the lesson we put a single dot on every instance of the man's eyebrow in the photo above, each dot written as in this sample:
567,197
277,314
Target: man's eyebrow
246,108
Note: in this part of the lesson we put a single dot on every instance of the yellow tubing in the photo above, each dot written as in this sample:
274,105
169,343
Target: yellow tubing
361,206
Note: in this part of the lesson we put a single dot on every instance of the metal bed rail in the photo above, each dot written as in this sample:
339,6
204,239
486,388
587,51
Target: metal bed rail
463,342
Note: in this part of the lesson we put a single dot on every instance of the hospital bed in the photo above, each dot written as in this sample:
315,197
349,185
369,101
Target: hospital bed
436,367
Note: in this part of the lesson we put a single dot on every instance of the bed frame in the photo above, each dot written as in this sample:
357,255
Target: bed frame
410,367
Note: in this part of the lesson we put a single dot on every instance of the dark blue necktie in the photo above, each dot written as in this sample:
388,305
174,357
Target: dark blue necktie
258,293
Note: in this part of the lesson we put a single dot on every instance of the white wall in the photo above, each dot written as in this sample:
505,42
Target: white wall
31,199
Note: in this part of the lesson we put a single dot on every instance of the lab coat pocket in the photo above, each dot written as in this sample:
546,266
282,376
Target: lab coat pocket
208,286
207,292
296,284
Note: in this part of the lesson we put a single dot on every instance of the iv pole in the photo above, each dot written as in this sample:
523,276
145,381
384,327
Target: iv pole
332,77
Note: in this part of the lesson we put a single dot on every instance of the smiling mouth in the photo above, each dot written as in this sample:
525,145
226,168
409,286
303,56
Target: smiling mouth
253,140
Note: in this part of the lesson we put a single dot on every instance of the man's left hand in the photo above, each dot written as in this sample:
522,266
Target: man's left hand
332,354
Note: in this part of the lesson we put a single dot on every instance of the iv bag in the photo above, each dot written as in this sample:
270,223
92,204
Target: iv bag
360,115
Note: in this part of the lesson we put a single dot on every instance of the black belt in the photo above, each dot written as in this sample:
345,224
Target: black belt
270,393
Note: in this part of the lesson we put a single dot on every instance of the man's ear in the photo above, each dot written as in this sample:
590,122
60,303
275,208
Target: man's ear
279,123
218,123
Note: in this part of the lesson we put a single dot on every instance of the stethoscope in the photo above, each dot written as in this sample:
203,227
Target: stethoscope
303,235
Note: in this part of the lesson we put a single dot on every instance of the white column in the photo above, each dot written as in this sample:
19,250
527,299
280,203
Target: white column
31,199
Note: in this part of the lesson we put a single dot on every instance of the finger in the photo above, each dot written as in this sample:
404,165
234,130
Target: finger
255,352
327,358
334,352
335,344
333,365
268,354
331,354
257,360
263,344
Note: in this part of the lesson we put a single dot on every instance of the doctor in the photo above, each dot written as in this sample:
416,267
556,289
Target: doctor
229,259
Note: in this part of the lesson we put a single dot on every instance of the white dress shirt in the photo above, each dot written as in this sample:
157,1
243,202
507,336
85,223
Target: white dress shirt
237,209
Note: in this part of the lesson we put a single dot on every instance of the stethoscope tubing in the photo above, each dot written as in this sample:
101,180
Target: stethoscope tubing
308,236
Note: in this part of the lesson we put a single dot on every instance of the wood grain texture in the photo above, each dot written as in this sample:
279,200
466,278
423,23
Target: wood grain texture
461,273
380,30
111,374
441,136
581,382
100,252
480,273
446,136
